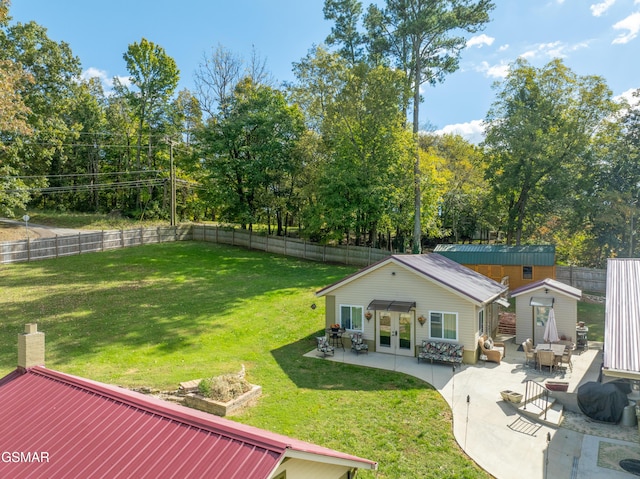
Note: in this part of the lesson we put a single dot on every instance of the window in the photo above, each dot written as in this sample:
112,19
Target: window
443,325
351,317
481,321
527,272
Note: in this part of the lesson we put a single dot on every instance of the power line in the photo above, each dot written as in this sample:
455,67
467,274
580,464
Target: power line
78,175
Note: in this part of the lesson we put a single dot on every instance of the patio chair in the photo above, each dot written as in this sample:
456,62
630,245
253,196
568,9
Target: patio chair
324,347
358,344
529,355
566,358
492,350
547,358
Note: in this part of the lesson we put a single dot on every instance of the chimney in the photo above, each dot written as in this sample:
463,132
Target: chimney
30,347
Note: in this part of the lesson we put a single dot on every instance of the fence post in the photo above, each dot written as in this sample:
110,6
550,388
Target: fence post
28,249
102,240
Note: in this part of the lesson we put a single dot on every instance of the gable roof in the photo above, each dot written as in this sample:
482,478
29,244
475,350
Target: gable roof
551,284
447,273
622,318
92,429
530,255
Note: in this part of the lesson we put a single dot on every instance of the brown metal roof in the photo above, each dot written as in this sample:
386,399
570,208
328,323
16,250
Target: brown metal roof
458,278
90,429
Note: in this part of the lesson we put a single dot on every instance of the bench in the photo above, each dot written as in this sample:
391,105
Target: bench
441,351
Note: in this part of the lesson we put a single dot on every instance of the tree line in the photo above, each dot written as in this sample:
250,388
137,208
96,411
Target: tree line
336,155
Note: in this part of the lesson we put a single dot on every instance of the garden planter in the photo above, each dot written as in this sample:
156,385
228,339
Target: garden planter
511,396
218,408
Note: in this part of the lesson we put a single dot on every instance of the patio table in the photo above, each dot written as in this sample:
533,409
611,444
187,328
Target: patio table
558,349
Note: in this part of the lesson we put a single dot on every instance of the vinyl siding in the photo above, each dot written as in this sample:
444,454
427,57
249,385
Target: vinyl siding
566,311
405,285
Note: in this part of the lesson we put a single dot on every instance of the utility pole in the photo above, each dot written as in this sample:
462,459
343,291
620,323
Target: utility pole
172,174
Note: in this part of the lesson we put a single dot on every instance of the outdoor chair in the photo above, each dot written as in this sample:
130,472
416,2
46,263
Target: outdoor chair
358,344
529,355
324,347
493,351
566,358
546,358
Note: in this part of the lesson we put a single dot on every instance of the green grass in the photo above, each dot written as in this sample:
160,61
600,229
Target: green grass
593,316
157,315
92,221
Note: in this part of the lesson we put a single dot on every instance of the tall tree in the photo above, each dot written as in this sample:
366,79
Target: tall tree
539,137
155,75
346,16
423,38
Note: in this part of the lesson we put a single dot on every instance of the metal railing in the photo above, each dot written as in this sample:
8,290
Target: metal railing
536,395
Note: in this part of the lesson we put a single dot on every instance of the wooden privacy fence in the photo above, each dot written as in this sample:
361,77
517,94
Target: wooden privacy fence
586,279
91,242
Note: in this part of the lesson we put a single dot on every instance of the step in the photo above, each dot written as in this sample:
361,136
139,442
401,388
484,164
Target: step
536,410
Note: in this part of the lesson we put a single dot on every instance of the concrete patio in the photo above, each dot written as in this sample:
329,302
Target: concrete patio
496,436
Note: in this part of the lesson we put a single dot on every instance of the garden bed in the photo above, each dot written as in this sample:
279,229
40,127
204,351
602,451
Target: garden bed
219,408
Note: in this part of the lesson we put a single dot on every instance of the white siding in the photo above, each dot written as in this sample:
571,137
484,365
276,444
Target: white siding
566,312
405,285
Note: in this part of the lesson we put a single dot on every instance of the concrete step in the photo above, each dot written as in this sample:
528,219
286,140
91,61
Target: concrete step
549,411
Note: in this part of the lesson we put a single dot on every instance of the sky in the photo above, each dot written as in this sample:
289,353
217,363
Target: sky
592,37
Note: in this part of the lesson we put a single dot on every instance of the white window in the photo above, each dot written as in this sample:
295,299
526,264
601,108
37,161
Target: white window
351,317
443,325
481,321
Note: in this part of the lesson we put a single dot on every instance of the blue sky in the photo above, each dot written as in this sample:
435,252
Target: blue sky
593,37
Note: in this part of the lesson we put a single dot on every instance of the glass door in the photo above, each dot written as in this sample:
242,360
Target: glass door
395,333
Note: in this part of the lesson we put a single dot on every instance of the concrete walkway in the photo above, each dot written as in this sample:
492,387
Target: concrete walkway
491,431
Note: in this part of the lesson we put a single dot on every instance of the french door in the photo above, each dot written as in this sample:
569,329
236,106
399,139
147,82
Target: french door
395,333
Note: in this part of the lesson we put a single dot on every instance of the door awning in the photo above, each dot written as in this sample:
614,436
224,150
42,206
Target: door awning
542,301
502,302
385,305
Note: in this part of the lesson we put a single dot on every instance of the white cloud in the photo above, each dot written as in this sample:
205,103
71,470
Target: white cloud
500,70
92,72
628,96
505,47
553,50
480,41
472,131
598,9
105,79
632,24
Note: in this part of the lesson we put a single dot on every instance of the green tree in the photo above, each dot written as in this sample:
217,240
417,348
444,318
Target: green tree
248,153
423,38
539,140
155,76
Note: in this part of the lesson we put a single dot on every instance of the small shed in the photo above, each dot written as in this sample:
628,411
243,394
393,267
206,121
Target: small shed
515,266
535,300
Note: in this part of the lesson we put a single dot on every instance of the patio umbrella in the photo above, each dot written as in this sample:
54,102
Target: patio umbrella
550,329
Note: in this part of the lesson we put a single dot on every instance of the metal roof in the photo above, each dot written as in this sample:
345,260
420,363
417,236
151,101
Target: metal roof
551,284
439,269
387,305
90,429
528,255
622,318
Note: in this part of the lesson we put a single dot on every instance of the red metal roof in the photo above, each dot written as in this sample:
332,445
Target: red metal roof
85,428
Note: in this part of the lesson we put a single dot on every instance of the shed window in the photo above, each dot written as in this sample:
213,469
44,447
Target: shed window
351,317
527,272
481,321
443,325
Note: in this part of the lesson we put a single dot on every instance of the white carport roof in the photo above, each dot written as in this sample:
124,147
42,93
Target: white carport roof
622,319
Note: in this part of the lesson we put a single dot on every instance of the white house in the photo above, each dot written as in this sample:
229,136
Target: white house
404,299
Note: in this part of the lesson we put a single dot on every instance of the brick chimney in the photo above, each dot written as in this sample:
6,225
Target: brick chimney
30,347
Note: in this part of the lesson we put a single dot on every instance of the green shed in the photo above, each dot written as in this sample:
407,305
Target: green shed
516,266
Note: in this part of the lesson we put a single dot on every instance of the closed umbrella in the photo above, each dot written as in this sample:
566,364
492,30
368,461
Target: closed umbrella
550,329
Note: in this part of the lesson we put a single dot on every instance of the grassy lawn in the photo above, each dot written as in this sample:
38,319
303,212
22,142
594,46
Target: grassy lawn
160,314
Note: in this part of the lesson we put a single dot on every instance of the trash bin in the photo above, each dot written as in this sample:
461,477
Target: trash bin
629,415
